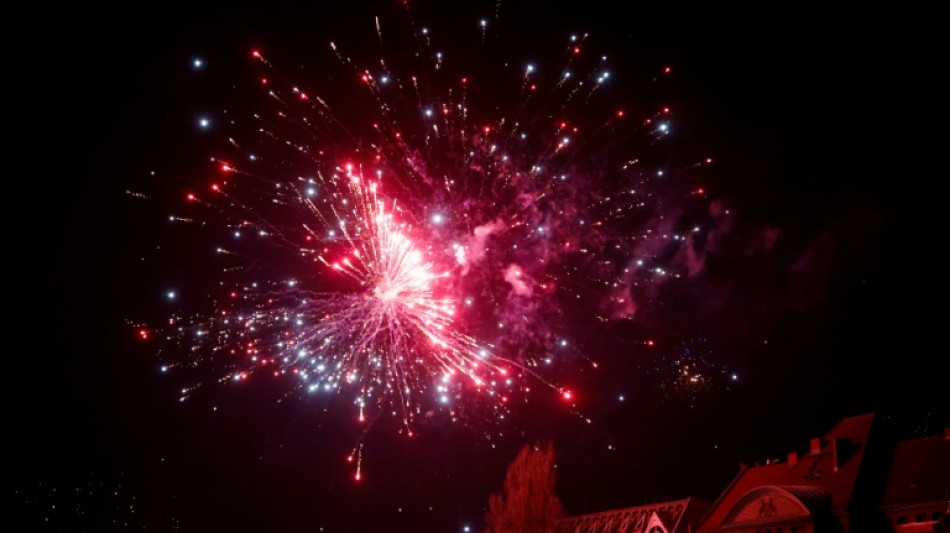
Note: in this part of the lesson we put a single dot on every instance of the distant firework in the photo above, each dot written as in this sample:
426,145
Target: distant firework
692,373
418,239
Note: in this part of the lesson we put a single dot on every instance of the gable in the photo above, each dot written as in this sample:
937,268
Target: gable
655,525
766,504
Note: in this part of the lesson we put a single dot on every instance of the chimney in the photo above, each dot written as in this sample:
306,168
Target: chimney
816,445
792,458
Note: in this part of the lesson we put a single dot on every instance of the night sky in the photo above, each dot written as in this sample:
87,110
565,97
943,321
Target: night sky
822,300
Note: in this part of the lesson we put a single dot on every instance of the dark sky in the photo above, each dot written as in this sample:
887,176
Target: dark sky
823,128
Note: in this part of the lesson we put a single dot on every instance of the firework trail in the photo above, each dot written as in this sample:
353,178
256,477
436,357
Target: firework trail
403,243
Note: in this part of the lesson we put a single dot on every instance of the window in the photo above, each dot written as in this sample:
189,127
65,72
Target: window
920,517
901,519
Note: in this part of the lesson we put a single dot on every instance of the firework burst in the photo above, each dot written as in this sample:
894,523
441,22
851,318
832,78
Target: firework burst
414,243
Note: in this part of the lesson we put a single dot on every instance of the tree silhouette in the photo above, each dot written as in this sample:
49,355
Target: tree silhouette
527,503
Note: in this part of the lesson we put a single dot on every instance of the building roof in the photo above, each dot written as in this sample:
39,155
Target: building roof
675,516
836,466
920,472
836,480
771,503
830,469
749,478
